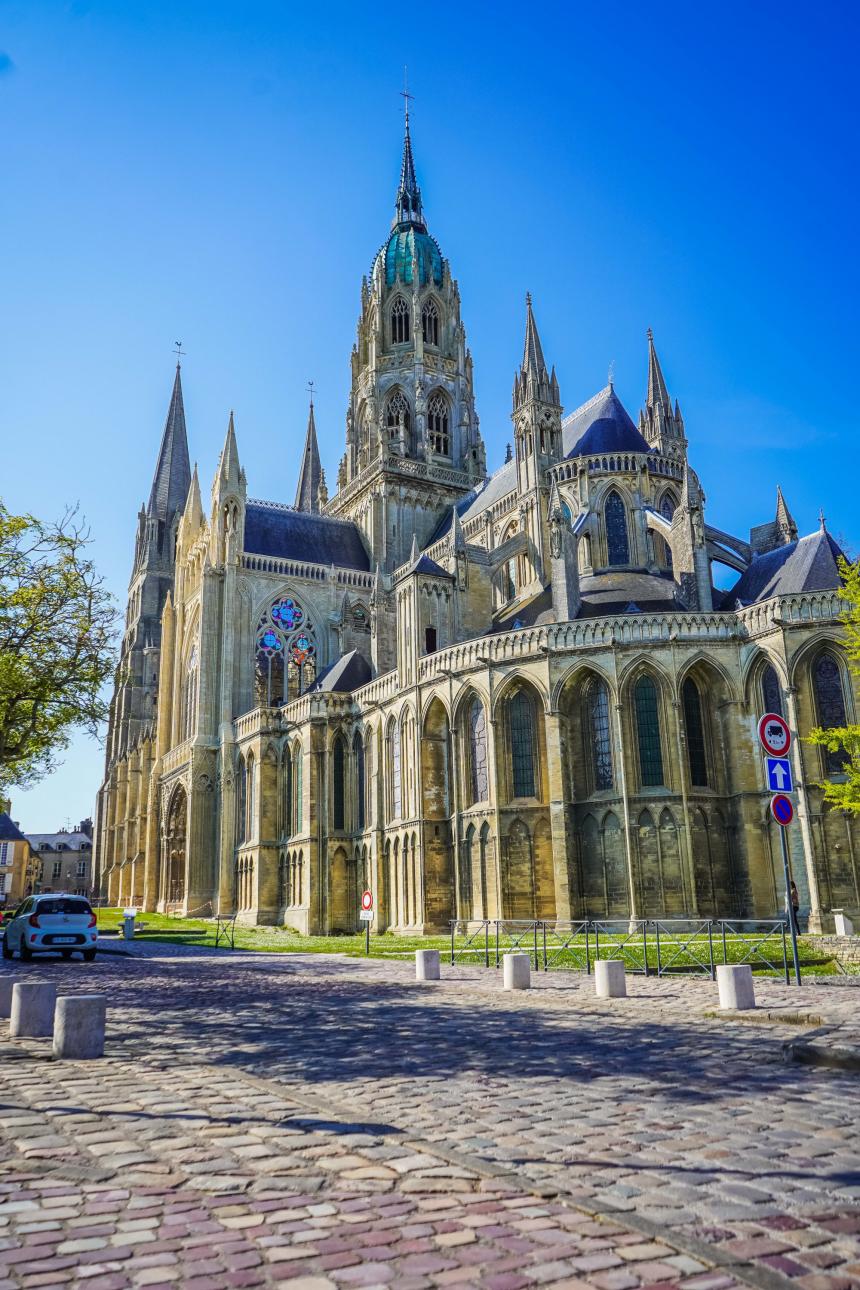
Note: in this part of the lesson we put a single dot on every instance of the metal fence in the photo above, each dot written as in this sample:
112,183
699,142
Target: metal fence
652,947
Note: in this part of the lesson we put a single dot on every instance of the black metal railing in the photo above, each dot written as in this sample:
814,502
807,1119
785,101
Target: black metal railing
649,946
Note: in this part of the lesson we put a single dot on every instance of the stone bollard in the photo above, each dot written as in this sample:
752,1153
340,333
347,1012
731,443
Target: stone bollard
79,1026
736,987
610,981
6,983
33,1009
427,965
516,971
844,925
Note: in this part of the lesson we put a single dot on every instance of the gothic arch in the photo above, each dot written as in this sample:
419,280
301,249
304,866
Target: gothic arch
175,841
523,745
702,662
751,676
515,681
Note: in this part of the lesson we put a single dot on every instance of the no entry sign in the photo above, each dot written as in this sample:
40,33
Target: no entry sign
774,734
781,809
367,900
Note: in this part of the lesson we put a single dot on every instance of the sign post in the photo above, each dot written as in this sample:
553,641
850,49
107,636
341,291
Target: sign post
365,914
775,738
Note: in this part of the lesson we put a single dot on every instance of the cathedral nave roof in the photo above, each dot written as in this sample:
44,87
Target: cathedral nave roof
273,529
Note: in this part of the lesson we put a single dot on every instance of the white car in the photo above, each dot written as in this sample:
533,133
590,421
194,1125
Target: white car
51,923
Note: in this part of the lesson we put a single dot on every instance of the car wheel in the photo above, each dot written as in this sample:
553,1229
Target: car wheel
89,956
26,952
7,949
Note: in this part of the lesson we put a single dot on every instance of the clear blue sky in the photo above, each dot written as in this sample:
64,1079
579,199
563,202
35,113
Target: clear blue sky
224,172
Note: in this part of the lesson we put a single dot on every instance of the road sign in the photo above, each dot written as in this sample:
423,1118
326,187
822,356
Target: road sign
365,915
778,771
781,809
774,734
367,900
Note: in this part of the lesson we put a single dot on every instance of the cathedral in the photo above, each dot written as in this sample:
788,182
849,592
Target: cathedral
516,695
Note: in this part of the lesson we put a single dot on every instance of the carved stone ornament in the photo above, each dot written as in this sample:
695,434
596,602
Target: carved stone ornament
557,526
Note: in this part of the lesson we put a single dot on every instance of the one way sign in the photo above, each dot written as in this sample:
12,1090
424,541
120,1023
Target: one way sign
778,774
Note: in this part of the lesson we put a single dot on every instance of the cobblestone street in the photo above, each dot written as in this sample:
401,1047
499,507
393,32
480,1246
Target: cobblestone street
319,1122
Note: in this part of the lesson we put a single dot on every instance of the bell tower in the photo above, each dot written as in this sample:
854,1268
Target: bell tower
413,446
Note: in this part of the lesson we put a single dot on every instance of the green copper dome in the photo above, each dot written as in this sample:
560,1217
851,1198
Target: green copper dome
407,244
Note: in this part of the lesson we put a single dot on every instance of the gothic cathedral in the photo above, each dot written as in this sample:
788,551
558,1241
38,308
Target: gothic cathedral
516,695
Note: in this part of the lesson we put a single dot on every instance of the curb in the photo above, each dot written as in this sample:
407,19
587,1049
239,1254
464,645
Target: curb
809,1052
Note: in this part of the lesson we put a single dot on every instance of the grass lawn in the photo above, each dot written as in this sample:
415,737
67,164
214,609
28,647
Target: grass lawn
682,953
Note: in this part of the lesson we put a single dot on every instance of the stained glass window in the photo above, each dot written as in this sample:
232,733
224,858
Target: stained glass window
437,425
648,732
478,775
338,783
695,728
285,653
358,760
597,700
830,706
430,323
771,691
287,614
396,772
521,718
397,414
617,541
399,321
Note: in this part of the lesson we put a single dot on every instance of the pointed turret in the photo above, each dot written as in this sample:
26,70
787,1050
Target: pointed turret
229,473
192,516
657,392
407,204
173,470
310,471
533,381
661,426
785,525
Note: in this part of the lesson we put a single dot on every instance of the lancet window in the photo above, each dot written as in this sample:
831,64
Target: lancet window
617,538
189,695
430,323
597,707
437,425
521,719
339,783
771,691
477,743
286,653
397,417
695,727
645,701
830,706
399,321
358,765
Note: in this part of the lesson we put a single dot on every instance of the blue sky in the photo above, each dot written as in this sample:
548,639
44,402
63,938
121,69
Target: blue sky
223,173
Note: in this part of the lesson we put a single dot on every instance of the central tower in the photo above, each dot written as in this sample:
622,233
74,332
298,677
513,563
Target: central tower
413,446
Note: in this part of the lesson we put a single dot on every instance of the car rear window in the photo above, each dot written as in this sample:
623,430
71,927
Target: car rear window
59,905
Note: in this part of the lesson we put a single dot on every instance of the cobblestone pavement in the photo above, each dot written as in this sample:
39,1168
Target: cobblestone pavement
326,1122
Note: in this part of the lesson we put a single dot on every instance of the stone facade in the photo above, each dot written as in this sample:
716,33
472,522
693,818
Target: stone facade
517,696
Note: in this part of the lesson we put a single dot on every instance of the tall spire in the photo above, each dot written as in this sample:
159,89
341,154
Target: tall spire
533,360
407,204
173,470
784,519
310,472
658,395
533,381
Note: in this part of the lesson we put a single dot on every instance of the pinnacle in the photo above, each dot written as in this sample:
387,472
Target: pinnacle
173,471
310,471
658,395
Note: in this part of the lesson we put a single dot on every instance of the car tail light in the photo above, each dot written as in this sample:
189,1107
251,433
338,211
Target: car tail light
92,921
33,920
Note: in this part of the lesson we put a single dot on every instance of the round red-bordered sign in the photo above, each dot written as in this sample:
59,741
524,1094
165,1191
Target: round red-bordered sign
774,734
367,900
781,809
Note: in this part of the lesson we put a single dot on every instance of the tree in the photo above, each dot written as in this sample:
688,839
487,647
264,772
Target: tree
845,796
57,624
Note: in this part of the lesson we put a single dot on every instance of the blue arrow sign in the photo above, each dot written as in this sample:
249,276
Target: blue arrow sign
778,774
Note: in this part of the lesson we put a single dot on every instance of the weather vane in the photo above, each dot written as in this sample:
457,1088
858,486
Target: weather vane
404,93
310,389
179,350
610,378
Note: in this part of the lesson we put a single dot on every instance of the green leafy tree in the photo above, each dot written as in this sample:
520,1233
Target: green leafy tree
57,623
846,739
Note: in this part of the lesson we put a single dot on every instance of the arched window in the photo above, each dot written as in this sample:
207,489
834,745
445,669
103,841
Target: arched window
668,507
241,801
477,735
399,321
338,784
437,425
250,824
617,539
285,653
830,706
771,691
358,765
430,323
396,767
521,724
397,417
298,804
648,732
695,727
189,695
288,796
597,704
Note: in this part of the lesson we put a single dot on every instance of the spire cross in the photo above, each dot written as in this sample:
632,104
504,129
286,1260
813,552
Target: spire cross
179,351
406,96
610,376
310,389
822,519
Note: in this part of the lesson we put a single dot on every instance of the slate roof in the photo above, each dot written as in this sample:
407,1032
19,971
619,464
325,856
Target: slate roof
173,470
603,424
347,674
806,565
273,529
9,831
60,841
